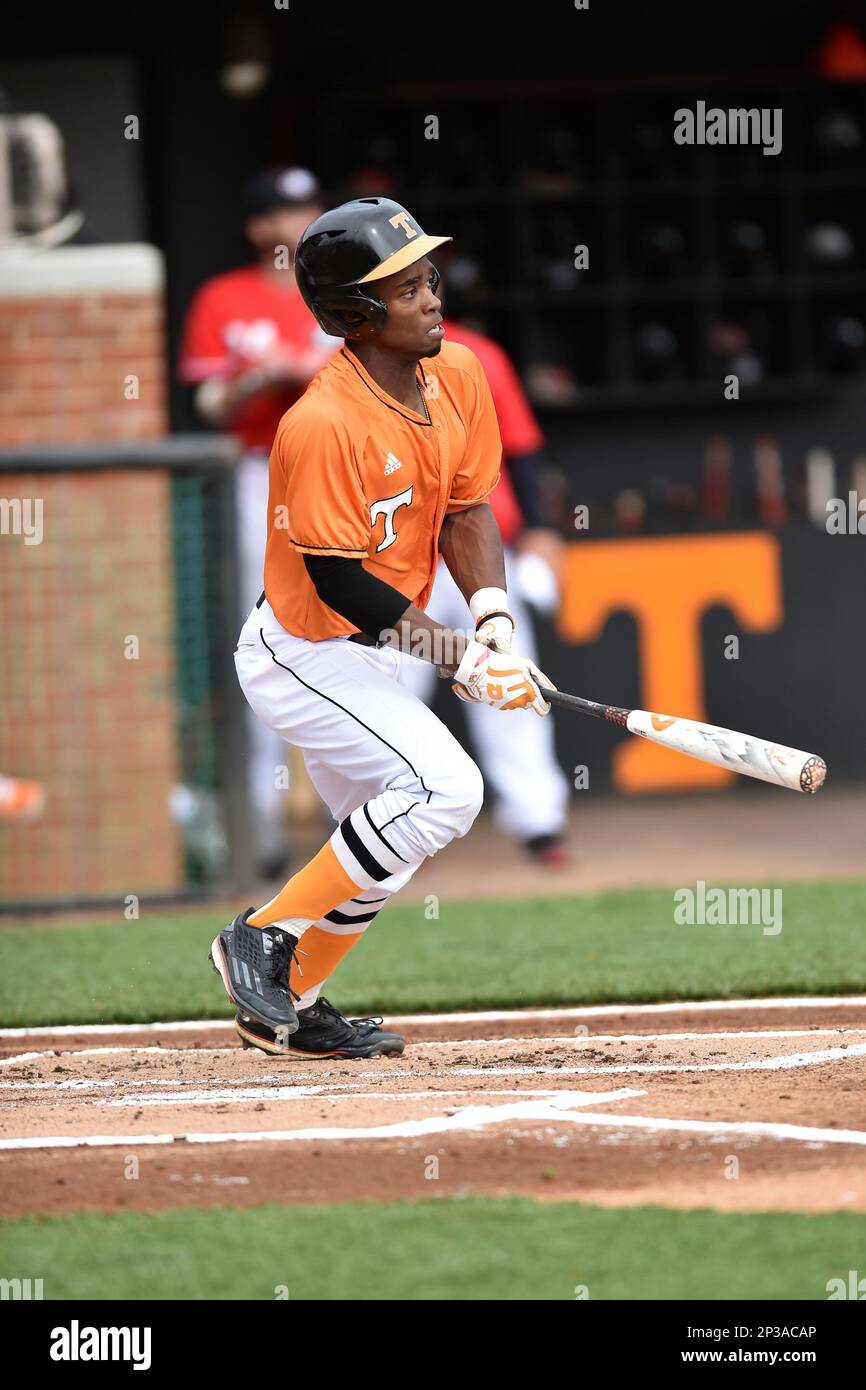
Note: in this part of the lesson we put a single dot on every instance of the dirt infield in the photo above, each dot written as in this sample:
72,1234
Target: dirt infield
754,1106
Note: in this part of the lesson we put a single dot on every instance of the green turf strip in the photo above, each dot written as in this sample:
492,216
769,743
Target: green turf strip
453,1248
484,954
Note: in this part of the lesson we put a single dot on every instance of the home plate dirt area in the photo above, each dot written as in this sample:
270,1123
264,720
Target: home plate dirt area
733,1104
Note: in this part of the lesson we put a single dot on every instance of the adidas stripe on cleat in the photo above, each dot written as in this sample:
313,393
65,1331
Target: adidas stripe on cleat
254,964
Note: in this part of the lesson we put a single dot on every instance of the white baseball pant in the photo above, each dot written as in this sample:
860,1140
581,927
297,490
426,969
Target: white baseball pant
396,781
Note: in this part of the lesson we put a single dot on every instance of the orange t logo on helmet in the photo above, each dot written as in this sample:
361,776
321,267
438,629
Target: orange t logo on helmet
399,220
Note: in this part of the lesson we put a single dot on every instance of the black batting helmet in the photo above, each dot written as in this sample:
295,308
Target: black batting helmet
345,251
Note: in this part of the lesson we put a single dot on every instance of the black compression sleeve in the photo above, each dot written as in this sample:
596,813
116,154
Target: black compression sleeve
523,472
355,593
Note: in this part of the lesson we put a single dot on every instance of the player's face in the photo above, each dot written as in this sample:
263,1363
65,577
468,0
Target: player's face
413,326
280,227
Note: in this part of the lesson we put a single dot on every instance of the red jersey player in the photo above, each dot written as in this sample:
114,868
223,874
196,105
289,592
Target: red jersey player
249,346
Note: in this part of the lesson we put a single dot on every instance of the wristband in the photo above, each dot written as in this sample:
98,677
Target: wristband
484,603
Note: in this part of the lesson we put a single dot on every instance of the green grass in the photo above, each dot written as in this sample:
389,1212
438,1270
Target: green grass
483,954
453,1248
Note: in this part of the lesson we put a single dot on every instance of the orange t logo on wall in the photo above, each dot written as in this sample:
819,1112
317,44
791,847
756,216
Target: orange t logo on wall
667,583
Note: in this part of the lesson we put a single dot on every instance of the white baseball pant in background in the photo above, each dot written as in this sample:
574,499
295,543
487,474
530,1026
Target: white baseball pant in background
266,752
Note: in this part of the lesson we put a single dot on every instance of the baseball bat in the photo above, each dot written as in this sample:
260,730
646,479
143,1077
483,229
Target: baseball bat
743,753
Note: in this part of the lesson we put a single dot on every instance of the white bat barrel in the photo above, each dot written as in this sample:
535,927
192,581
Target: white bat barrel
753,757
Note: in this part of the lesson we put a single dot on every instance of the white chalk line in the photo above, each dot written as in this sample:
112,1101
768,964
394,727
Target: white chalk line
562,1108
472,1117
291,1093
789,1063
592,1039
759,1129
107,1052
820,1001
261,1091
581,1040
103,1084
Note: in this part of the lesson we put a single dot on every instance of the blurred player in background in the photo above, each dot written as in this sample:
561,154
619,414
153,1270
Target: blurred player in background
530,787
249,347
20,799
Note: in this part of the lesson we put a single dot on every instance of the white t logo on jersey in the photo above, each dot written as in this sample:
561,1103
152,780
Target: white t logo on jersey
386,507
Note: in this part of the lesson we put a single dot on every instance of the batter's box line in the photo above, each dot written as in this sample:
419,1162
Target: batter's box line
291,1093
563,1109
792,1001
590,1039
583,1040
790,1063
472,1117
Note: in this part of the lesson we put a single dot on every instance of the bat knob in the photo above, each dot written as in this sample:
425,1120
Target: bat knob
812,774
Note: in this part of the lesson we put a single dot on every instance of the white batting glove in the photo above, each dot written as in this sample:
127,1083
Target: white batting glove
494,625
503,681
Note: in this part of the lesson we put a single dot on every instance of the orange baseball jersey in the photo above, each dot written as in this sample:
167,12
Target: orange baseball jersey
354,472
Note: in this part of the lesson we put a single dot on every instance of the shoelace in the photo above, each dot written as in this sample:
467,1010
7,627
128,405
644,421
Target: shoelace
364,1024
285,950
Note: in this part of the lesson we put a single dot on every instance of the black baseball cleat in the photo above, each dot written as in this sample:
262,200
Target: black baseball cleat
254,964
551,851
322,1032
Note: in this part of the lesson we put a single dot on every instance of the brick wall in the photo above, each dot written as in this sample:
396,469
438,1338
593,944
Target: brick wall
82,710
75,324
99,730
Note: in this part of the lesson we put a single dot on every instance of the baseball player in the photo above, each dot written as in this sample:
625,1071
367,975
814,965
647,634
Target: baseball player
386,461
249,348
537,821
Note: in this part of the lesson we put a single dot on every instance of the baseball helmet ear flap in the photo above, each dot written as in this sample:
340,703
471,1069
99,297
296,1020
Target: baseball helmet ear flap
350,313
355,314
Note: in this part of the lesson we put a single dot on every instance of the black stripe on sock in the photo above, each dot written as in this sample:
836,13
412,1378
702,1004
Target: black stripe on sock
342,919
361,852
382,837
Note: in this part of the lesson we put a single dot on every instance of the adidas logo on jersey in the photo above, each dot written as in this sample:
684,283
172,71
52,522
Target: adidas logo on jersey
392,463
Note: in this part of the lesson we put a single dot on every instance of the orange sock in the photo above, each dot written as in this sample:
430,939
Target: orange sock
322,952
315,889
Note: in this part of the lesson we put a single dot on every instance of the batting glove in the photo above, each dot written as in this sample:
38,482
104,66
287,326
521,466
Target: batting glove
503,681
